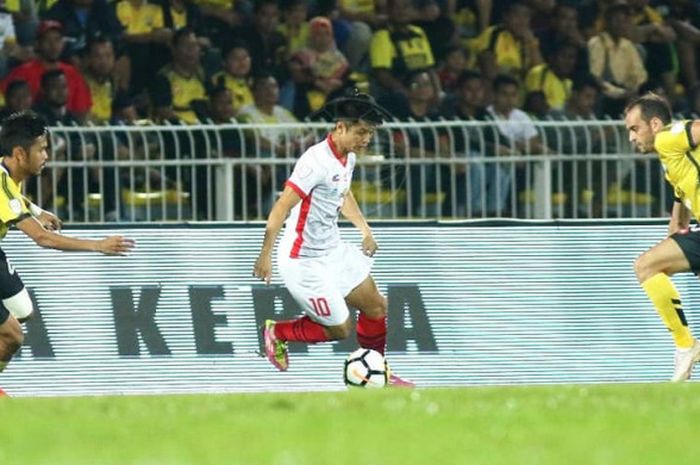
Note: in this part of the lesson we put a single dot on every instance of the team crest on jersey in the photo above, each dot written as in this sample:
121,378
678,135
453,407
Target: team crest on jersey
335,178
15,206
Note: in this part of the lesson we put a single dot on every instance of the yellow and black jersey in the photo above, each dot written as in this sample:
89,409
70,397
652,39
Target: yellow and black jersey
401,52
13,206
509,53
102,95
680,157
555,89
240,90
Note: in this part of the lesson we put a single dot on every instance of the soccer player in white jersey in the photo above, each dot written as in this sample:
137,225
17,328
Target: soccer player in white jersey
324,274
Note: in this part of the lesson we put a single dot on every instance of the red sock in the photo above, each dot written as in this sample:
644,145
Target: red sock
301,330
371,334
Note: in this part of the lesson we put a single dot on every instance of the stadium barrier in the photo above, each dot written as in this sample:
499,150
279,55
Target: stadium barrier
411,170
469,304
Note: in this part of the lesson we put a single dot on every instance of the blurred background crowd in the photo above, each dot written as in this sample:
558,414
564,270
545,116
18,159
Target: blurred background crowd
188,61
184,62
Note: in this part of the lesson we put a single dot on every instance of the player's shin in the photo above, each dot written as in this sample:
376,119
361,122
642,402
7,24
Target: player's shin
667,301
303,329
371,333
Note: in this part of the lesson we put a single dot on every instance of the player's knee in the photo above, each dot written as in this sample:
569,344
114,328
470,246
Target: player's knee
644,268
20,305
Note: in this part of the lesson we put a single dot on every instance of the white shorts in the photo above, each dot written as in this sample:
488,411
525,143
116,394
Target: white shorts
320,284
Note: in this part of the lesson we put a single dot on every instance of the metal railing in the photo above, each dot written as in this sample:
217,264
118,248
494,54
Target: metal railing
444,170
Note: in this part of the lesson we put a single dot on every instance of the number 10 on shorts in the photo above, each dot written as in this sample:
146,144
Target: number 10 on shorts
321,307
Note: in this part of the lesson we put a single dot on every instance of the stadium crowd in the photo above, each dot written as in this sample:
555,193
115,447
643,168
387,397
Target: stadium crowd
95,62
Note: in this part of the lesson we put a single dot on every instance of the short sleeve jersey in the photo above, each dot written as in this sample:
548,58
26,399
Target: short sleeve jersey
322,179
410,51
680,158
13,205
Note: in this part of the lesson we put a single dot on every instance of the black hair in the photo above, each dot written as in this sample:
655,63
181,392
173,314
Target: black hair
15,85
180,34
121,100
354,106
51,75
257,8
585,80
260,78
411,77
514,6
234,45
97,39
21,129
216,90
504,80
652,106
468,75
618,8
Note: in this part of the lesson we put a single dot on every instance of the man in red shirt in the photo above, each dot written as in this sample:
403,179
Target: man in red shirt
49,46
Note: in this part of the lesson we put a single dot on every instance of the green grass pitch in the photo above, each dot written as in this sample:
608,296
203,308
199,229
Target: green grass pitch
540,425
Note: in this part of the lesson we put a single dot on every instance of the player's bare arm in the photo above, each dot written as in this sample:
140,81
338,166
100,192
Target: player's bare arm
680,218
263,265
351,211
47,219
113,245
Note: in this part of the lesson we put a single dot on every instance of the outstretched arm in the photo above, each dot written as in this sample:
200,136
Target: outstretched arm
113,245
279,212
351,211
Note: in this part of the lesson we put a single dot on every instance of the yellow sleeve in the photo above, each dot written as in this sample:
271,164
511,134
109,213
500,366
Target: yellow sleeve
13,6
481,43
653,15
534,78
428,49
158,21
13,208
596,56
381,50
675,140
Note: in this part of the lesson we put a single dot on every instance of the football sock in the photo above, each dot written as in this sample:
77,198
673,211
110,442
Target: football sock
665,297
303,329
371,334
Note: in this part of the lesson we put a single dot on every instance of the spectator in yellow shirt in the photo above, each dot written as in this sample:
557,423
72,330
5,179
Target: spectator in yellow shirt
554,78
146,39
508,48
399,50
236,76
99,67
295,27
615,61
361,17
179,86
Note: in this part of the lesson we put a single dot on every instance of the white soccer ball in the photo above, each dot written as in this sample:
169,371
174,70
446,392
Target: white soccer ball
365,368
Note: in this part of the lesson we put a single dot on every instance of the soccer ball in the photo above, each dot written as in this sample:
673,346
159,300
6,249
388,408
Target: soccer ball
365,368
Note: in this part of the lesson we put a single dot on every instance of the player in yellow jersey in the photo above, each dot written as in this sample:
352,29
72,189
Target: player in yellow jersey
648,121
23,146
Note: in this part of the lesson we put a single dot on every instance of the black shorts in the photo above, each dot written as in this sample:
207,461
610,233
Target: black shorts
10,284
689,242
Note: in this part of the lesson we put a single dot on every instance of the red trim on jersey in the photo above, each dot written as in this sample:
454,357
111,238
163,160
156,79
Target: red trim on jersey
296,189
301,222
342,159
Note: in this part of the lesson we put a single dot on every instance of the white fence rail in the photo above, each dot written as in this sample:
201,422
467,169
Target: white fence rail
445,170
